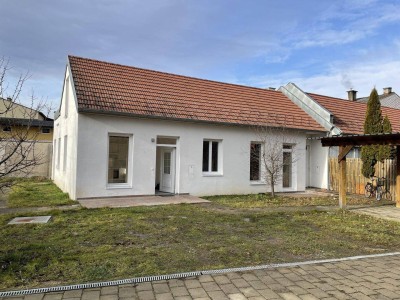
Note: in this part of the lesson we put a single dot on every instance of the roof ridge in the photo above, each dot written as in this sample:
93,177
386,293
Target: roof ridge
175,75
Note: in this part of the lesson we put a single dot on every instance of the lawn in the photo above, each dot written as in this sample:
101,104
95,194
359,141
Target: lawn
265,201
37,192
104,244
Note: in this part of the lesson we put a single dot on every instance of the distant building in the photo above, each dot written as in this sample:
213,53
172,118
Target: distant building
388,98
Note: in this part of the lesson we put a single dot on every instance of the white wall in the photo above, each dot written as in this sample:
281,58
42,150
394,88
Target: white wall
66,125
92,161
318,164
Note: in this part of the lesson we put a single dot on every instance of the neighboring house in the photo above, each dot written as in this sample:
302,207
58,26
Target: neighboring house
338,117
388,98
18,122
123,131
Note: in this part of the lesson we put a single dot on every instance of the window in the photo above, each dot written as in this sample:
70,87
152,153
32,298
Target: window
45,130
255,159
7,128
287,166
54,164
65,153
211,156
58,153
118,150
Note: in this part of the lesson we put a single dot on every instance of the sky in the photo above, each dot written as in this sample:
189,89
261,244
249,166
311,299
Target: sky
324,47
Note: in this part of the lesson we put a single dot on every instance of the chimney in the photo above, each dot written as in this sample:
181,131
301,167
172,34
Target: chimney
387,90
352,94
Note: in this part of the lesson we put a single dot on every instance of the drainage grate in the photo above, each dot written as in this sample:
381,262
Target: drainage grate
183,275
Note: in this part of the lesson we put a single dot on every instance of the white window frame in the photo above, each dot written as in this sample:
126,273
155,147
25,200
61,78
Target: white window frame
260,181
291,165
219,171
129,169
58,153
65,158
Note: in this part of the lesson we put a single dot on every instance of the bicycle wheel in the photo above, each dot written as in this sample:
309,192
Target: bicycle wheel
378,193
368,190
387,196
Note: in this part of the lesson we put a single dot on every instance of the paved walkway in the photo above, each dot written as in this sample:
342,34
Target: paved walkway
388,212
140,201
365,278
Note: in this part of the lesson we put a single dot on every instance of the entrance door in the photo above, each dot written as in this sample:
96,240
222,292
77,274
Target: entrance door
167,178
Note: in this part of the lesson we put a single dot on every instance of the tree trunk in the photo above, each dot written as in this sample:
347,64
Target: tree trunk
272,187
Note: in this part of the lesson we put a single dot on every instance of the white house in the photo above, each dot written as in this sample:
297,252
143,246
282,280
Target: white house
124,131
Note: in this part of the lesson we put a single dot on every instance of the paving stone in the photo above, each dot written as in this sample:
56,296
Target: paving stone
308,297
175,282
144,286
289,296
107,290
221,279
164,296
179,291
183,298
239,282
268,293
126,292
229,288
249,277
89,295
161,288
210,286
249,292
197,293
57,296
206,278
34,297
237,297
109,297
217,295
258,284
192,284
146,295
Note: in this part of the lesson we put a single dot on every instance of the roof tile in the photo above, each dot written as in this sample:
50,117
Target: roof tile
113,88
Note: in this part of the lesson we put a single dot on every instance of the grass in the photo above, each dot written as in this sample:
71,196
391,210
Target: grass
105,244
265,201
37,192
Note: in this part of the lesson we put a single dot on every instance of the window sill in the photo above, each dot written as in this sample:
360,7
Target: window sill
257,183
118,186
212,174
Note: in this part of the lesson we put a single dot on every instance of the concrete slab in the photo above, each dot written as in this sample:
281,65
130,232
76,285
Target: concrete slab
387,212
30,220
140,201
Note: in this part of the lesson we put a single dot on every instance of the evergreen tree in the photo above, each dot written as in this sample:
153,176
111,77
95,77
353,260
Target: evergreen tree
373,124
385,152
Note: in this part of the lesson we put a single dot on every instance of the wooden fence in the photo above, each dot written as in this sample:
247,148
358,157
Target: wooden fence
355,180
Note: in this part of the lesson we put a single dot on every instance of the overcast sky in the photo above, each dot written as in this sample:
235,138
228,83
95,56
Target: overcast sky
324,47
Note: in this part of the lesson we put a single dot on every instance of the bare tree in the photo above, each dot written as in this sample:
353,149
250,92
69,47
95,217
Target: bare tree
272,156
20,126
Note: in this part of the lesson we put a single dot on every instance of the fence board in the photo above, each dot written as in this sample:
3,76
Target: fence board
355,180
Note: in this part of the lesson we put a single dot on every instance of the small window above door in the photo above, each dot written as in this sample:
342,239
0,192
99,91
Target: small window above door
166,140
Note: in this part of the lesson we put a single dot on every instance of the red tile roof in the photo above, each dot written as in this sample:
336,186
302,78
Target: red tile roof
349,116
112,88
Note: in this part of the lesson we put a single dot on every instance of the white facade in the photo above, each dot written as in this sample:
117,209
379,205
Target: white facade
81,155
317,165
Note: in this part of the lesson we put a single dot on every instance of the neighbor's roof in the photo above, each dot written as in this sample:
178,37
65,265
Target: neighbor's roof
349,116
389,100
111,88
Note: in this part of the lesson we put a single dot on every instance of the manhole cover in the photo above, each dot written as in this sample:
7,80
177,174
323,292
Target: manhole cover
30,220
